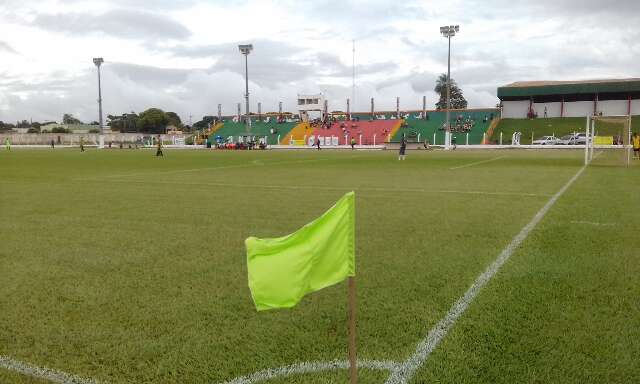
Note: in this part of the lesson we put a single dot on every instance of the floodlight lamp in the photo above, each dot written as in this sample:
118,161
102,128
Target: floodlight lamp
98,61
457,28
245,49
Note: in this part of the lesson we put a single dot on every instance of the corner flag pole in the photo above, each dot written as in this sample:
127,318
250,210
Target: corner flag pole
353,370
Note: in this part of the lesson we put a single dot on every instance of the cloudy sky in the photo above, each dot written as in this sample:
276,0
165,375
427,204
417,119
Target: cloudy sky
182,56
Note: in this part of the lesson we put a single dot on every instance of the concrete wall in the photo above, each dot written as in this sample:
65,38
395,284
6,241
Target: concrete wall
515,109
519,109
578,109
553,109
613,107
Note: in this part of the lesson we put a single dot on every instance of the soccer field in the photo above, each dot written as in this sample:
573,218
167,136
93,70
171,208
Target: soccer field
120,267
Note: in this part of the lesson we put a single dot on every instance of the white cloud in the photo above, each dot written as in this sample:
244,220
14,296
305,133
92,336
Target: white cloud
181,55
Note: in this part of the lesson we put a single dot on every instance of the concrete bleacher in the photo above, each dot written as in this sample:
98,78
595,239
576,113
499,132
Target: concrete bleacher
417,129
365,132
258,128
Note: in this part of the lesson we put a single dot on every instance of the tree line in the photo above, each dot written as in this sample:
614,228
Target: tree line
153,120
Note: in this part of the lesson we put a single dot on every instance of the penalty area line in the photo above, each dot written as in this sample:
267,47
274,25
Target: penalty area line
42,372
254,163
406,370
337,188
478,162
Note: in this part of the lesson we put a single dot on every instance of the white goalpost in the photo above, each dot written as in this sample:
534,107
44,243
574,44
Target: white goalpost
611,135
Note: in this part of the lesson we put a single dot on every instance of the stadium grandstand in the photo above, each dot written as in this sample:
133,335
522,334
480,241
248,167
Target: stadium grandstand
469,126
529,99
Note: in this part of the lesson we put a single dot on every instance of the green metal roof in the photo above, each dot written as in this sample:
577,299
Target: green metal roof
547,88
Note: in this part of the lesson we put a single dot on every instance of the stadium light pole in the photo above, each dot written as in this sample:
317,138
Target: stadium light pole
98,62
246,49
449,31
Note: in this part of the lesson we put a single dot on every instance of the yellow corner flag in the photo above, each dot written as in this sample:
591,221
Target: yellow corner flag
320,254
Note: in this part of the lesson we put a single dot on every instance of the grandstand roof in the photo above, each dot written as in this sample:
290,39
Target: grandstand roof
545,88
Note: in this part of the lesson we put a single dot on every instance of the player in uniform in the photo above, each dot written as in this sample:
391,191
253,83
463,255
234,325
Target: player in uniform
7,144
159,151
636,146
81,144
403,148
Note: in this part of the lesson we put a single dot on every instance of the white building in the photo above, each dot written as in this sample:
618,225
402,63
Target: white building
570,98
311,103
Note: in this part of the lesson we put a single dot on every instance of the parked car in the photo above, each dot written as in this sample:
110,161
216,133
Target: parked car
580,139
566,140
546,140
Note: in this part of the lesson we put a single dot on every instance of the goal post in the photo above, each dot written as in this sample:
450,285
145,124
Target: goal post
611,136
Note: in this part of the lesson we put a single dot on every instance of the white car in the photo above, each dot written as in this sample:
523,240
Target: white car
546,140
580,139
567,140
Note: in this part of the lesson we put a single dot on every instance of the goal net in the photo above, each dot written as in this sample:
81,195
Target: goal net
608,140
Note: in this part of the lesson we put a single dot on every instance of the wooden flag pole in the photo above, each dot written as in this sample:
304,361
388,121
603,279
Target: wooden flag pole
353,370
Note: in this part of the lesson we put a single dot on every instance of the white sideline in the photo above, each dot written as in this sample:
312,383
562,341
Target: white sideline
42,372
436,334
310,367
478,162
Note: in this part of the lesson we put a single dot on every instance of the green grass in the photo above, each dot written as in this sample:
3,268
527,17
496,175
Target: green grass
123,267
553,126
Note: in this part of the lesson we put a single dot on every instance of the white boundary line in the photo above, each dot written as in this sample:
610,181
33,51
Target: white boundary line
478,162
409,367
42,372
325,188
246,165
593,223
310,367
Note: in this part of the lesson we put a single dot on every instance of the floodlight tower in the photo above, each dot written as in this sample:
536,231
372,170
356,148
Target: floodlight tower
246,49
449,31
98,62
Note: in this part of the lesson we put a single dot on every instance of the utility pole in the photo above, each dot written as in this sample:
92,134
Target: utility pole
449,32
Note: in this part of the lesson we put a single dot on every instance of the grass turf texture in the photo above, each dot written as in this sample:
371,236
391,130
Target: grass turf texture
123,267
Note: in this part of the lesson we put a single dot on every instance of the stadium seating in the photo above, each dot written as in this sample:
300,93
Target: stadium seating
297,135
271,130
474,122
371,131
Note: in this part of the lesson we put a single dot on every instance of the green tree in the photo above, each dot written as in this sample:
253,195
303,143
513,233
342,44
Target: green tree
68,118
457,99
205,122
153,120
174,119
